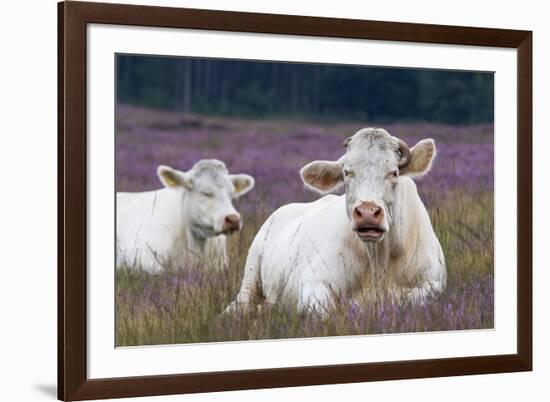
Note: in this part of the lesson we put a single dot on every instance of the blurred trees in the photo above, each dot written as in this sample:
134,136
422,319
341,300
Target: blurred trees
271,89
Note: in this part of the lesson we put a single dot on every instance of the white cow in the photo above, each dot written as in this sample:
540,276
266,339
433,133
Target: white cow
309,254
183,222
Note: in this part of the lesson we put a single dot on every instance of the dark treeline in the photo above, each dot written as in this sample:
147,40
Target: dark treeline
272,89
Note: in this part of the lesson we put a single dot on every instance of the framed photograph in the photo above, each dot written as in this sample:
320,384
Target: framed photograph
251,200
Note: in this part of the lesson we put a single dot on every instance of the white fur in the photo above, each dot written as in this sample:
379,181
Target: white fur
307,254
182,223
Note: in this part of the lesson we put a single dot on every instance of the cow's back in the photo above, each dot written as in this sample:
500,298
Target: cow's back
144,228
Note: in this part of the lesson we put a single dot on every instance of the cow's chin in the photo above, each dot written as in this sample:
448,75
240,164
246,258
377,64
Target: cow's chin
212,232
370,234
204,231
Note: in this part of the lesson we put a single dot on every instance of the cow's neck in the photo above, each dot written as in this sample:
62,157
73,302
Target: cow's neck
380,255
195,243
186,238
399,244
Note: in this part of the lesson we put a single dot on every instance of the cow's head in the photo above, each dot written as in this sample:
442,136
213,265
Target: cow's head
208,190
370,171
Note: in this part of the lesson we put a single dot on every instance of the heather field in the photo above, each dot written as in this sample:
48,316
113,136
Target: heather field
184,306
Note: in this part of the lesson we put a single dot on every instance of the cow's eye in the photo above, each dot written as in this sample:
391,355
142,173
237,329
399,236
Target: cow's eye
348,173
207,194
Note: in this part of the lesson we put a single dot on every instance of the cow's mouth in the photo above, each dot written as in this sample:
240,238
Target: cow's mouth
230,230
369,233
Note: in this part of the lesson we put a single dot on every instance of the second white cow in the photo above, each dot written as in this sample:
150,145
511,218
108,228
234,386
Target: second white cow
310,254
183,223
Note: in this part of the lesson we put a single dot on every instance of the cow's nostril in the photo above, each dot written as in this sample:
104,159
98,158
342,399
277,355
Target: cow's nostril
232,219
368,213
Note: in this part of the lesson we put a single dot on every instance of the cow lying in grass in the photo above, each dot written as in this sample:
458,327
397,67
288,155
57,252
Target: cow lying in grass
183,223
313,253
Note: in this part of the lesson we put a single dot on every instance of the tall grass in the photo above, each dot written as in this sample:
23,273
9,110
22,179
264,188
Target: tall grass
184,306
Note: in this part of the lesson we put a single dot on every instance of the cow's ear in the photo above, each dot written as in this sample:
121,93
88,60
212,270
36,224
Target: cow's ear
422,155
322,176
243,183
173,178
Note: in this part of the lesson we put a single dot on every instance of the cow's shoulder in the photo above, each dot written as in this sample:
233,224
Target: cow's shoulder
319,219
125,202
150,206
304,209
408,198
407,185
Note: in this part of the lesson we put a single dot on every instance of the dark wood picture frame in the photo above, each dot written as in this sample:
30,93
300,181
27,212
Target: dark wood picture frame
73,383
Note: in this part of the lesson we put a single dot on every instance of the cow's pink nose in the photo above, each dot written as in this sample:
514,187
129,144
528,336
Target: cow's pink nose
231,223
368,214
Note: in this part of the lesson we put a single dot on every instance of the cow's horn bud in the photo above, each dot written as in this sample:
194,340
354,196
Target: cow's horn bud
405,154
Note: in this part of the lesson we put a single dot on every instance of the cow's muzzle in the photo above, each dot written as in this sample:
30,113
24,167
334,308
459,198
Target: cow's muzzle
368,221
231,223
